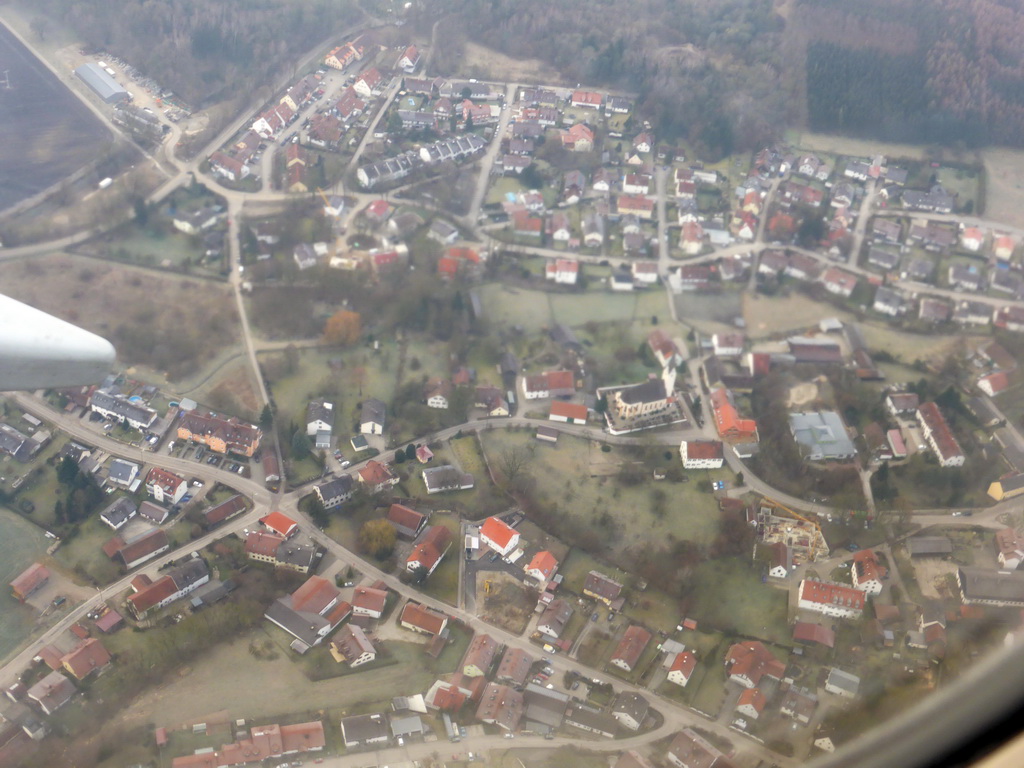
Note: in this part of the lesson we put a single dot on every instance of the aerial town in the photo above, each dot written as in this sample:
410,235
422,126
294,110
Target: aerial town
532,432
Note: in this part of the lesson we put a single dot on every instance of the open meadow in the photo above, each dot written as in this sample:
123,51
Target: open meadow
167,322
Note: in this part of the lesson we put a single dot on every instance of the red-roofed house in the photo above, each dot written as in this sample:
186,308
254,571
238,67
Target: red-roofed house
166,487
731,428
751,702
578,138
479,655
280,523
994,383
746,663
571,413
367,601
562,271
499,536
29,580
682,668
839,282
807,632
408,522
376,476
409,60
831,599
548,384
939,436
702,454
542,567
587,99
630,648
867,572
638,206
86,658
430,550
368,82
419,618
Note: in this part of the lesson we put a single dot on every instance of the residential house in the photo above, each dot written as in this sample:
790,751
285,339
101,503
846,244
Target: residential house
981,586
1003,247
799,704
500,705
587,99
376,476
842,683
373,417
691,750
994,383
279,523
590,719
731,428
868,574
830,599
630,709
1009,549
571,413
542,567
936,199
409,60
352,646
964,278
218,434
143,548
554,618
934,310
499,536
682,668
902,403
559,229
310,613
514,667
52,692
634,642
320,421
120,409
839,282
1009,318
808,633
419,618
603,588
332,493
748,662
446,478
369,601
702,454
888,302
368,83
166,487
885,260
153,513
179,581
578,138
751,703
548,384
1007,487
479,656
939,435
641,207
430,550
407,522
225,510
119,513
593,230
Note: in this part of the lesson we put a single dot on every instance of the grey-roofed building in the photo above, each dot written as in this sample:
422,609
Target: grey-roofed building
52,692
101,83
14,443
122,472
591,720
883,259
373,417
983,587
935,199
360,730
552,622
842,683
544,708
984,411
564,337
119,408
821,436
929,546
119,513
154,513
333,493
514,667
409,725
297,557
447,478
630,709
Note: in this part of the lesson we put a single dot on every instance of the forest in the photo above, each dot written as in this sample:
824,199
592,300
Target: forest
202,51
945,71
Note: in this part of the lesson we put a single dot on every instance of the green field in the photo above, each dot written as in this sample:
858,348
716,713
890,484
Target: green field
21,543
728,595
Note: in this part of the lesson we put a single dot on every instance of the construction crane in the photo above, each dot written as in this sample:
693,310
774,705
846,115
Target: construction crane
817,547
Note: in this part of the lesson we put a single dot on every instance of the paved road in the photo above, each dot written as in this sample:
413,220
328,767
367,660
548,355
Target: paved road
487,161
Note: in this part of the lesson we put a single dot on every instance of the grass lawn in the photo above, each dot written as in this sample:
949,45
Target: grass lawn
507,307
728,595
595,649
709,695
502,186
634,517
83,555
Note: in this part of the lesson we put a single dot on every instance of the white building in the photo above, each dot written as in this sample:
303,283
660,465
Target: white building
702,454
834,600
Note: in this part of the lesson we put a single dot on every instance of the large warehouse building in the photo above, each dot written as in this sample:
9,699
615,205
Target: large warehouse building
106,87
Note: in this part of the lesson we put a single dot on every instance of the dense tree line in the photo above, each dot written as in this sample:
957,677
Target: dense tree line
203,51
707,72
946,71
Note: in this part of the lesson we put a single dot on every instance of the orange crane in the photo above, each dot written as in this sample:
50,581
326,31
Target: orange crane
818,548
